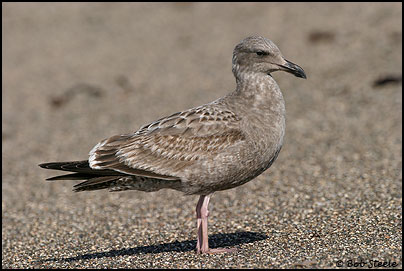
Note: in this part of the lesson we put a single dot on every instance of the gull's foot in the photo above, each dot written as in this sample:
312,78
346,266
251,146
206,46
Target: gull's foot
221,250
217,250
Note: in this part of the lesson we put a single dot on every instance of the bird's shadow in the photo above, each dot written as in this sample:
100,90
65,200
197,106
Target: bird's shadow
215,241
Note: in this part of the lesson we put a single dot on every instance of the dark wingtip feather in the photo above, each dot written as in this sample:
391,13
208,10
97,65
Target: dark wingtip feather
44,165
54,165
74,176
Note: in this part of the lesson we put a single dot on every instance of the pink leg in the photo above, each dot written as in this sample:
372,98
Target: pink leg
202,213
199,225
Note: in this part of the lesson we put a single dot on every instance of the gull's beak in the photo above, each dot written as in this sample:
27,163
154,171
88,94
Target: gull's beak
293,69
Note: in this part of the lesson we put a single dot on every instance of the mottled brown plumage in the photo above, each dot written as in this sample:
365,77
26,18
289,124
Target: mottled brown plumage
213,147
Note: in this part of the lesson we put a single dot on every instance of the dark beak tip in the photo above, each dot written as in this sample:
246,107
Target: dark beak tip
295,69
298,71
302,75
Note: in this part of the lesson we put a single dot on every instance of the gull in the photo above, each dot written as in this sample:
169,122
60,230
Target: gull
209,148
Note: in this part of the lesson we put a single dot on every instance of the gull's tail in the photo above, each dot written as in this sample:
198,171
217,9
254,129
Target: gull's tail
96,179
110,179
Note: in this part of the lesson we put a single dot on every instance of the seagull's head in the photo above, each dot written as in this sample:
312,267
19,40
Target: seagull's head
260,55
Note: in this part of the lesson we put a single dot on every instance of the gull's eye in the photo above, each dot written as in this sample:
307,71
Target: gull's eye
262,53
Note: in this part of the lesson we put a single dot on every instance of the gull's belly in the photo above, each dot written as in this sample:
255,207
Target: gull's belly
233,168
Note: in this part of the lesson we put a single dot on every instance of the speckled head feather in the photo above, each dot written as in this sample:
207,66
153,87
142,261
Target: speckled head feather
257,54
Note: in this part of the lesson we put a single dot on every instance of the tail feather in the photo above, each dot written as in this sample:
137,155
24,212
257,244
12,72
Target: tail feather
96,184
122,178
96,178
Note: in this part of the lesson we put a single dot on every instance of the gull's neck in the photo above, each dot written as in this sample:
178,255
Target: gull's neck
260,101
253,82
260,90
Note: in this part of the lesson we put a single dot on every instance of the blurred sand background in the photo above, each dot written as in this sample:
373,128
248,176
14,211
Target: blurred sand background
76,73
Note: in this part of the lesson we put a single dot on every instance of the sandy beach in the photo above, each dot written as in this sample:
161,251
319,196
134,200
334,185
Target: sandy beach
76,73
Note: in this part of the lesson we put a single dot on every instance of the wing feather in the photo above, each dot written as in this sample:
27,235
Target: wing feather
169,145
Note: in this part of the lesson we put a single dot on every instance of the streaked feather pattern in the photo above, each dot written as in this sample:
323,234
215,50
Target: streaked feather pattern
169,145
